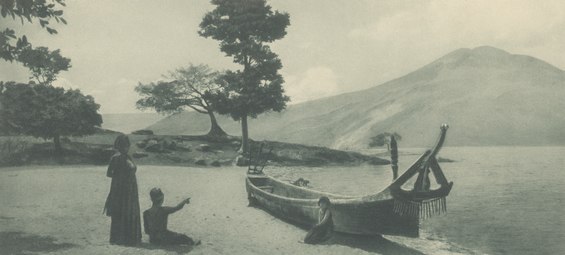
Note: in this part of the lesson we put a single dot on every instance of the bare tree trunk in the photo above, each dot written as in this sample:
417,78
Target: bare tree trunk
215,129
244,137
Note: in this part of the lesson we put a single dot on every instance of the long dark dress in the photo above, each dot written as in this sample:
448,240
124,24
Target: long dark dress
122,203
323,231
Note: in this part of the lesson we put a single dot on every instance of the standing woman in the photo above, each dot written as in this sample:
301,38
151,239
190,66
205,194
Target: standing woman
122,204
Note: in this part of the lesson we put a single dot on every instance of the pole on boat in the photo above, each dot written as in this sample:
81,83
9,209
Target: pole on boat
394,157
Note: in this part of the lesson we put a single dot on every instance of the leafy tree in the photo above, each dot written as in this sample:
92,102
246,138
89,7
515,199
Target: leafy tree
187,90
244,27
47,112
26,11
41,110
44,65
383,139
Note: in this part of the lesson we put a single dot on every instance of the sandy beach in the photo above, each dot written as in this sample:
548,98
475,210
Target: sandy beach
58,210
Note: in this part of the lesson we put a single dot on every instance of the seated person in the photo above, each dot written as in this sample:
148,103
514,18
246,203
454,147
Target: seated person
155,221
323,230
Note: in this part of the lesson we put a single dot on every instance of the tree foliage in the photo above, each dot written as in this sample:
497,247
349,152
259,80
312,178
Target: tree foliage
383,139
42,11
43,64
188,89
47,112
244,28
41,110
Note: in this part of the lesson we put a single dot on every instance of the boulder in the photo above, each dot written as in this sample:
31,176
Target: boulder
445,160
154,146
143,132
183,147
236,143
139,155
200,162
216,163
170,145
204,147
225,162
141,144
175,159
151,142
241,161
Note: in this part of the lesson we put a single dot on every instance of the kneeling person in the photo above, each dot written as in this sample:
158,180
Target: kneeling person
322,231
155,221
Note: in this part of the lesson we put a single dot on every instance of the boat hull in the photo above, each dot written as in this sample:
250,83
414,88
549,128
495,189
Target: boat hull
393,211
369,215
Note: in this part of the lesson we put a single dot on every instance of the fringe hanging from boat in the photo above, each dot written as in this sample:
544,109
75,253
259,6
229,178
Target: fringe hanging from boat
422,209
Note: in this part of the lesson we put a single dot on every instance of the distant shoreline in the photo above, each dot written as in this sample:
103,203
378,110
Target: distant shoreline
200,151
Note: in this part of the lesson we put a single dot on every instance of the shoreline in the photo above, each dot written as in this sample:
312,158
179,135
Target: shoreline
218,215
168,150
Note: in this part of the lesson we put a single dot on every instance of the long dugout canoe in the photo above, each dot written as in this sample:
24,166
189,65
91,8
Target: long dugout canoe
393,211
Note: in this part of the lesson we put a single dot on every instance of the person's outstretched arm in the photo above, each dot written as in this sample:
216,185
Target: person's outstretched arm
178,207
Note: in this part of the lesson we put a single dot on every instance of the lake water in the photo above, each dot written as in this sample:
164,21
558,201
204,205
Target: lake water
505,200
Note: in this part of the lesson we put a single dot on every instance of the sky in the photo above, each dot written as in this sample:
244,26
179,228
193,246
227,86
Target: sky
331,46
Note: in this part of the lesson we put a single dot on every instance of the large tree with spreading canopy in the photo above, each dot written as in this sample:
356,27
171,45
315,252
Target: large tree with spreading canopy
40,110
187,89
47,112
244,29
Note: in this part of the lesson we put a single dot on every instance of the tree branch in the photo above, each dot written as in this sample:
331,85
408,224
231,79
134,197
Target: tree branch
198,110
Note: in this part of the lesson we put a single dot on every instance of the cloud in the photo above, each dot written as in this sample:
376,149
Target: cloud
478,20
305,45
316,82
116,97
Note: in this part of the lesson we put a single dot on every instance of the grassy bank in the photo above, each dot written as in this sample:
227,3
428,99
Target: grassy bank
201,151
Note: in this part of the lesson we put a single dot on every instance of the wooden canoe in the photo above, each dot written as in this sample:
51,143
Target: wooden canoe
393,211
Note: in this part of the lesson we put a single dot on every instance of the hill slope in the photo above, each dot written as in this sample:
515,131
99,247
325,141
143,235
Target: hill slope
128,122
487,95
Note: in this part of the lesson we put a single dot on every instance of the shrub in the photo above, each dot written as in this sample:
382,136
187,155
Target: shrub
13,151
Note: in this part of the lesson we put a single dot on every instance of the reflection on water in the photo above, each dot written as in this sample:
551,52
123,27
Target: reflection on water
505,200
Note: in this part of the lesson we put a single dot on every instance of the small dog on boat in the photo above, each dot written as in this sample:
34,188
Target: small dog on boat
301,182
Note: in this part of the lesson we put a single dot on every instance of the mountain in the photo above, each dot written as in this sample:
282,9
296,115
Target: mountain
128,122
488,96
